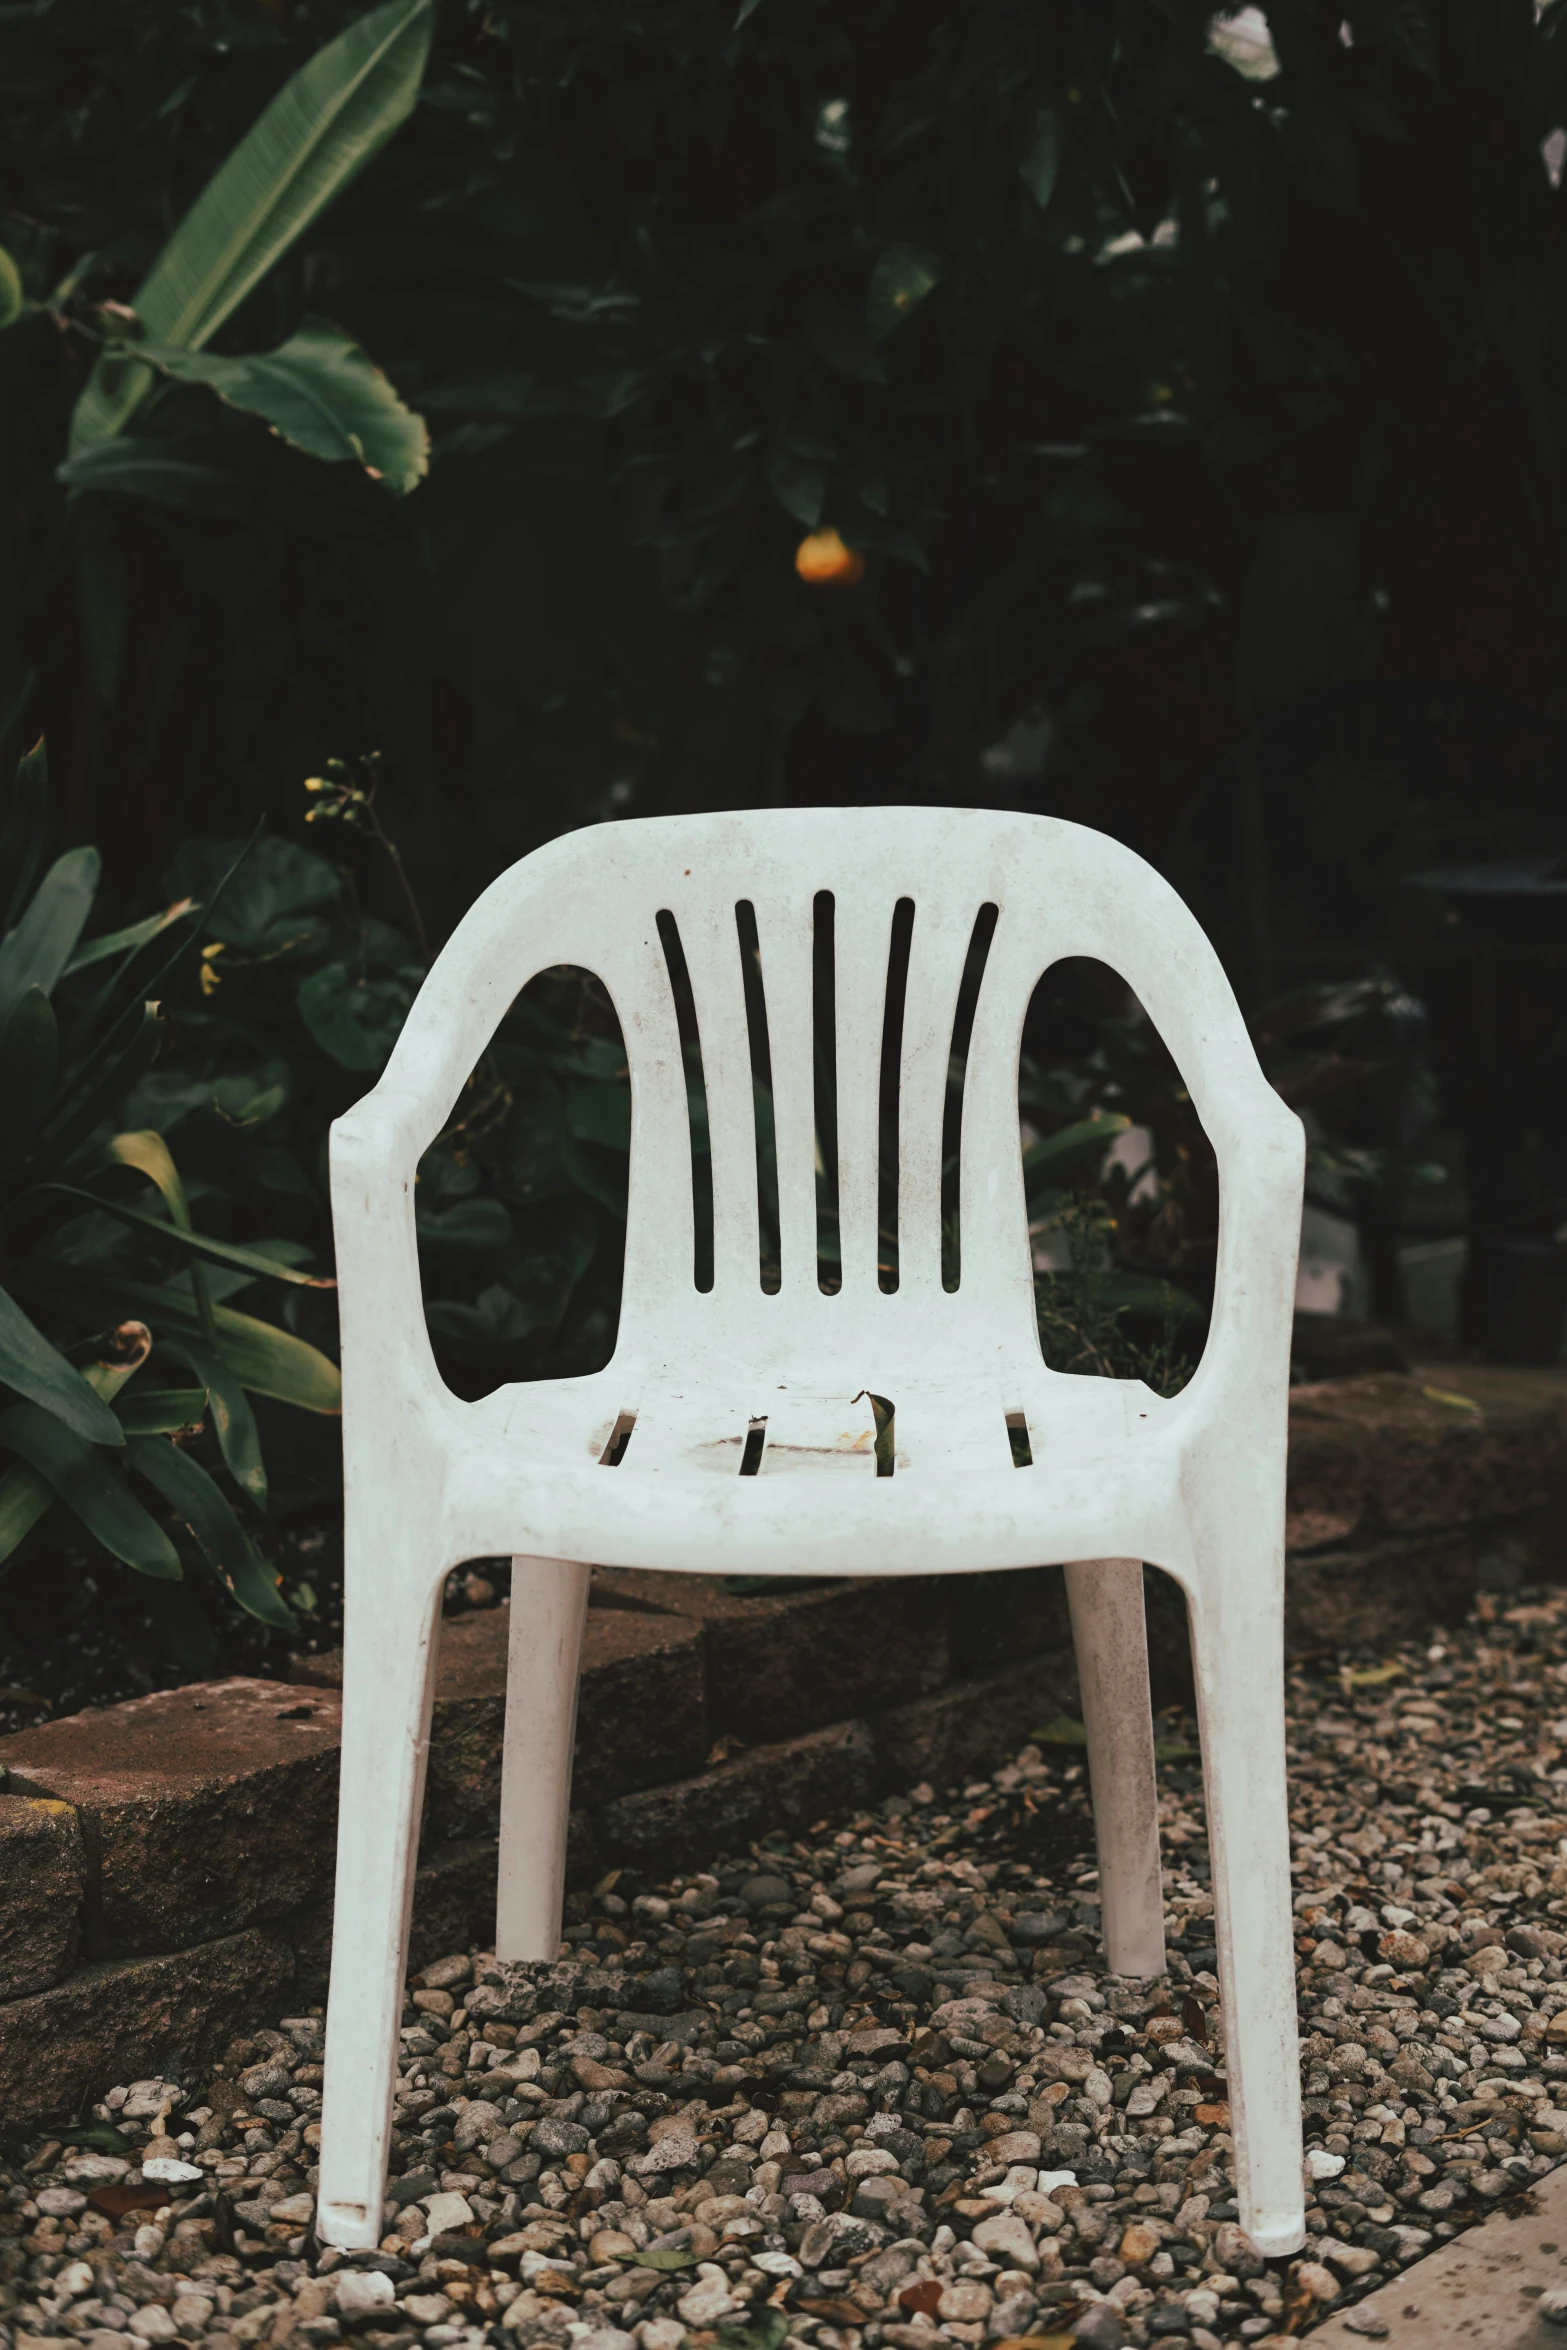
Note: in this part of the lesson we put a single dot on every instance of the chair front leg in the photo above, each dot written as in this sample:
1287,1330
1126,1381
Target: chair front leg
1237,1624
1110,1635
549,1607
391,1639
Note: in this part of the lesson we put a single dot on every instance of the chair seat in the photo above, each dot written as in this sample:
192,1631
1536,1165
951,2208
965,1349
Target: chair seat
688,1490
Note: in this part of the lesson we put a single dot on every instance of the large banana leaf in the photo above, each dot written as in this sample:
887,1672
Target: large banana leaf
318,391
317,135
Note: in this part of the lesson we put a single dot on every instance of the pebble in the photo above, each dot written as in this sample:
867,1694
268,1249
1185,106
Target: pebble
359,2291
878,2080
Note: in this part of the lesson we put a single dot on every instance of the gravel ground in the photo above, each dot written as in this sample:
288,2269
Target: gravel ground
876,2088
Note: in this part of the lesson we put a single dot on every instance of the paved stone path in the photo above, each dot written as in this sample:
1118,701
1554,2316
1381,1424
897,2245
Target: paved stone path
1482,2292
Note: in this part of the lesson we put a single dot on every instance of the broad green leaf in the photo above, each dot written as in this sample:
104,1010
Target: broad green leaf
267,1361
799,484
43,942
600,1113
162,1411
836,326
273,897
1044,1160
319,392
29,1056
24,1495
1145,1293
147,469
191,1493
608,1187
490,391
239,1439
128,941
317,135
92,1487
1041,166
667,2261
900,282
467,1223
353,1017
12,299
35,1369
253,1262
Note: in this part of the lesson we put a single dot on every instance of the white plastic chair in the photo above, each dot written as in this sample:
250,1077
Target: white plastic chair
734,1427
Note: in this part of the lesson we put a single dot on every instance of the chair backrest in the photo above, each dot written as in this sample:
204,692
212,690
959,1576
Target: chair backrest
756,887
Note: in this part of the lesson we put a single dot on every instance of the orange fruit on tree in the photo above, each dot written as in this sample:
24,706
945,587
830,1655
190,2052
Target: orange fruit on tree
822,560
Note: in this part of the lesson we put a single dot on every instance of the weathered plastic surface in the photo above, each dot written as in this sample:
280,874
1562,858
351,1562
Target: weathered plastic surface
548,1471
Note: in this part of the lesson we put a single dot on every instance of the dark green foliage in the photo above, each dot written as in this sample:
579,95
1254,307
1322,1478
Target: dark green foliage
1200,432
109,1308
1196,417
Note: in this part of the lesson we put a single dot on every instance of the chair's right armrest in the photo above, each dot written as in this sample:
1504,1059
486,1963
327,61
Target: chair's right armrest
1243,1379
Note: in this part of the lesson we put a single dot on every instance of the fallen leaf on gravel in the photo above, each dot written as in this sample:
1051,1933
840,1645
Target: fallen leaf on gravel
114,2201
665,2261
836,2312
1372,1676
1063,1731
765,2332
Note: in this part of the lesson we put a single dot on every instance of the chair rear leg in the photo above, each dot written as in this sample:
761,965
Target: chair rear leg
1238,1657
391,1642
549,1606
1109,1632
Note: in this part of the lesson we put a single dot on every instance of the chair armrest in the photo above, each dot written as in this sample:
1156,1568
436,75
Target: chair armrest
1243,1379
387,1360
